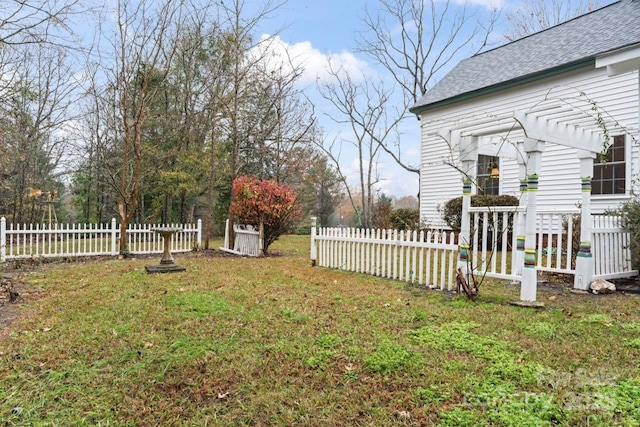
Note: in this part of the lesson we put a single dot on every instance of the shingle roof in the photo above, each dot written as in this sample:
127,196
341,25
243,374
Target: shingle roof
575,41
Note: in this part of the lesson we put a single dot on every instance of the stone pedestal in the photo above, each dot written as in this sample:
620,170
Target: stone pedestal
167,265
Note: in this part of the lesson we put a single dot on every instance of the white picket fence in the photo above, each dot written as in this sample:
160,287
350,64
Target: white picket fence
494,240
247,240
610,247
422,258
430,258
73,240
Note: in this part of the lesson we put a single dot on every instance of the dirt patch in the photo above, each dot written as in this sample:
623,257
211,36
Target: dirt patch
14,292
629,285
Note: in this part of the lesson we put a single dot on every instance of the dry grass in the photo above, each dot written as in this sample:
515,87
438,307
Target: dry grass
273,341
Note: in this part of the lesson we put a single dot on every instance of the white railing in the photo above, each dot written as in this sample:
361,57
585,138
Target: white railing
423,258
72,240
493,228
494,240
247,240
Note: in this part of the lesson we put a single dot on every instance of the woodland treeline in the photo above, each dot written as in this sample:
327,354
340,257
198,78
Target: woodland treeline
154,119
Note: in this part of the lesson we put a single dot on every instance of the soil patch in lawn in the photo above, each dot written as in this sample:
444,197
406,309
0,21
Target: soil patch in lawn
14,293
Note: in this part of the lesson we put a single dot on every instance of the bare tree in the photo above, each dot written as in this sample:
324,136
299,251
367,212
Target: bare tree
141,48
35,111
536,15
363,107
416,42
244,62
37,21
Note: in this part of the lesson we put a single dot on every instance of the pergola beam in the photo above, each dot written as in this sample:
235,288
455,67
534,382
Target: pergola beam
562,134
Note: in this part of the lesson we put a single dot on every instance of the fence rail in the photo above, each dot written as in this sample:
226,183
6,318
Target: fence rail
72,240
423,258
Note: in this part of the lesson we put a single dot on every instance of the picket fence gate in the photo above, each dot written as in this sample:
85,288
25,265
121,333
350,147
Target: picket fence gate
247,240
19,241
425,258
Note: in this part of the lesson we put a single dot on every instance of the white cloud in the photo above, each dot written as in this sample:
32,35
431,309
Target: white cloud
314,62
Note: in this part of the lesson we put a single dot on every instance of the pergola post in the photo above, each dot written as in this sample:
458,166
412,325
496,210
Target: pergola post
584,258
521,215
468,157
529,284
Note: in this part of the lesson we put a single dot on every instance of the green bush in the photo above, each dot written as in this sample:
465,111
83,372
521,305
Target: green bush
453,208
303,230
630,211
405,219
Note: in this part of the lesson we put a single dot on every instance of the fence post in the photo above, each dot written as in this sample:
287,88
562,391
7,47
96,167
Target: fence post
3,238
113,236
226,234
199,234
314,255
261,239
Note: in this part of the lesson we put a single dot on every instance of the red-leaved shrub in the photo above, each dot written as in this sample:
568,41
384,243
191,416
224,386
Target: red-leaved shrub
273,204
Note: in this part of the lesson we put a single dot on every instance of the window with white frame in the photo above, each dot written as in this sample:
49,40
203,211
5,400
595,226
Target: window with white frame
609,169
488,175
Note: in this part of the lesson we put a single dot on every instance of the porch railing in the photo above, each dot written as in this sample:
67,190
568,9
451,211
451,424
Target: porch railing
494,243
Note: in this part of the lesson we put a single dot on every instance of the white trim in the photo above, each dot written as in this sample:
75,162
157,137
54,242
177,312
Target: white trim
621,61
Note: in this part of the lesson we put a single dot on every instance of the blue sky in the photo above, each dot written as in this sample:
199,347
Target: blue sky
330,24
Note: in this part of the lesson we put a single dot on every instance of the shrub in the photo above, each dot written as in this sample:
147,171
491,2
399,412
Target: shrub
273,204
381,212
453,208
405,219
630,211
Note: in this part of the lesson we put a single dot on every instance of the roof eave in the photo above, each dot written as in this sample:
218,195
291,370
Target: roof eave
565,68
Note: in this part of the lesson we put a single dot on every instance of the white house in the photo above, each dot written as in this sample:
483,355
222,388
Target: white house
554,115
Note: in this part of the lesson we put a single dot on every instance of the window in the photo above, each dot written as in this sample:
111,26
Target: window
609,171
488,175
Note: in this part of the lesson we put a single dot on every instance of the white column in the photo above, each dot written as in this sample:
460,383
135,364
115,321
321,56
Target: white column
529,283
522,203
468,157
584,259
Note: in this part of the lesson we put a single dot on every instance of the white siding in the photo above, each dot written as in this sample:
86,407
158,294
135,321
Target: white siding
559,187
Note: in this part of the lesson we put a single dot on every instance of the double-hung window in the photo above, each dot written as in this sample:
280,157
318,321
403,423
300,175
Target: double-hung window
609,169
488,175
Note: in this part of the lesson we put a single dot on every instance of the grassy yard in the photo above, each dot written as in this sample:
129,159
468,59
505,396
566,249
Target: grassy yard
273,341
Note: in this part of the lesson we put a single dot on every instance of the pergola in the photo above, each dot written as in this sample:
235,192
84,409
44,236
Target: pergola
521,136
